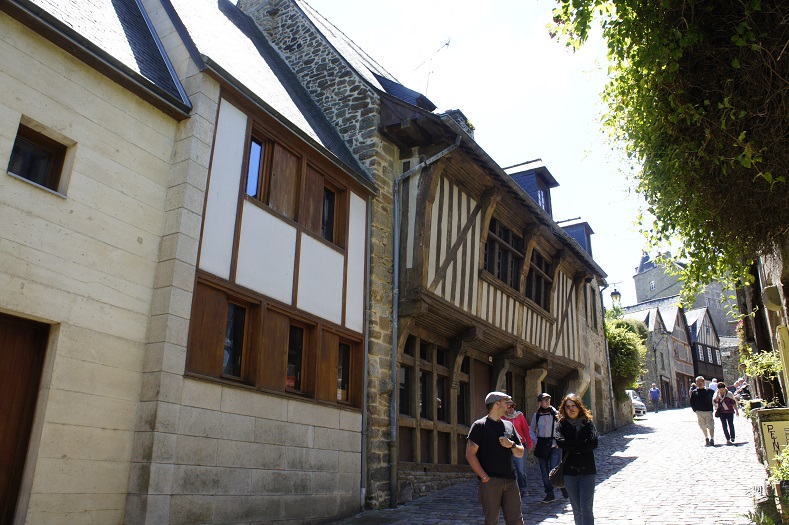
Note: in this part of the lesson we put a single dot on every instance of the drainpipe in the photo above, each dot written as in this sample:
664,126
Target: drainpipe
608,364
395,314
363,476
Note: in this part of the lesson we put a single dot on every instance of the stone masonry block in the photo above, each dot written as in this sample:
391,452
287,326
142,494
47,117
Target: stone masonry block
202,394
164,447
167,415
235,481
185,196
350,421
191,510
162,477
249,509
324,483
250,455
142,446
181,220
282,433
175,273
189,479
179,246
273,482
191,173
247,403
139,476
331,439
349,462
191,450
309,414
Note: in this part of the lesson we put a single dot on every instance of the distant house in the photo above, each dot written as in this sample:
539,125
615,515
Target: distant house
669,361
707,358
652,281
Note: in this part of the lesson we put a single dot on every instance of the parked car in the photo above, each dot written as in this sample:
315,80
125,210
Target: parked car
639,408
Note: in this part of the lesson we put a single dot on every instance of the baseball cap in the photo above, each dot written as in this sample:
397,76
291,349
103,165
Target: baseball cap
543,396
492,397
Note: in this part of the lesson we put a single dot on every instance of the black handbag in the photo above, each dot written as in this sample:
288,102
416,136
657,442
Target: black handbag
556,477
543,447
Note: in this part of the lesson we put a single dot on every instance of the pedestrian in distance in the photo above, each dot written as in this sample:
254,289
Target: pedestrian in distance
701,403
492,443
654,395
713,385
725,408
542,426
522,428
576,436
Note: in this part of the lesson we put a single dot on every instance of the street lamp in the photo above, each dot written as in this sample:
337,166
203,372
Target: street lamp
616,297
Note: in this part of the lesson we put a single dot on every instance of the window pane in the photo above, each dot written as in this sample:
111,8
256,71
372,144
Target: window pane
327,223
463,403
441,398
30,161
424,351
425,384
404,401
295,353
253,172
234,340
343,371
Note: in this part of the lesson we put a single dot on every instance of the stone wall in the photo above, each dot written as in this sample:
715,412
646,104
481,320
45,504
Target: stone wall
413,484
85,262
352,106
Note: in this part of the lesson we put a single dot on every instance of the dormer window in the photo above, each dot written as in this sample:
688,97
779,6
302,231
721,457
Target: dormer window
543,196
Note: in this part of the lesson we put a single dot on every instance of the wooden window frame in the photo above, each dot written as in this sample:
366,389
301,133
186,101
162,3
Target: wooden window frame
57,156
501,249
265,347
539,280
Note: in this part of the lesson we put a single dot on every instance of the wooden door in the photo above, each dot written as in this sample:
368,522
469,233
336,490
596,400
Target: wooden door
481,381
22,347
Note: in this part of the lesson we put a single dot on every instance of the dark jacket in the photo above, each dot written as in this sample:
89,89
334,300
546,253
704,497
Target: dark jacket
701,400
579,444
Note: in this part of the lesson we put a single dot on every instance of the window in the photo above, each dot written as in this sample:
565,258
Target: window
235,338
404,379
701,353
464,402
543,196
234,341
539,282
343,371
37,158
651,285
295,352
504,254
274,177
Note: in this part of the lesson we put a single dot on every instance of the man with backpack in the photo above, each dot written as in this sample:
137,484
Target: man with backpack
547,452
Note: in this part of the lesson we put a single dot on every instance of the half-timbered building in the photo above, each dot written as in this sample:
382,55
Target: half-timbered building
706,344
474,286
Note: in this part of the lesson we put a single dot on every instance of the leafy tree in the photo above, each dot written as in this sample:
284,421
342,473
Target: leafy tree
697,97
626,352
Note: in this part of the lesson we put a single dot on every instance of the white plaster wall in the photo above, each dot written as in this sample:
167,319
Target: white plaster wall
85,263
266,254
354,302
320,280
216,250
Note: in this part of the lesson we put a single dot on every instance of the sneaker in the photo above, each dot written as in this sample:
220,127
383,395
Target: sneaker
564,493
712,442
547,499
706,442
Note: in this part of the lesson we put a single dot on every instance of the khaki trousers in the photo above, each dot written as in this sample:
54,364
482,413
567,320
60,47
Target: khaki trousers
501,494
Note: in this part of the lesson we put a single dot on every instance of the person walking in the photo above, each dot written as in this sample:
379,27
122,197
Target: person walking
522,427
543,423
576,436
701,403
492,443
725,408
654,395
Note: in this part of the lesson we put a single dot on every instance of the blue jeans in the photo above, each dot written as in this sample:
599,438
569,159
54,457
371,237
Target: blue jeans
546,464
520,470
580,491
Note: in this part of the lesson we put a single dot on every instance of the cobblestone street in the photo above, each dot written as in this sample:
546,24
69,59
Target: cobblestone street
656,471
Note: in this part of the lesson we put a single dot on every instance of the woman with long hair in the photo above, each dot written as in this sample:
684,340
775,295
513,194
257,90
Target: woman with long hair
725,408
576,436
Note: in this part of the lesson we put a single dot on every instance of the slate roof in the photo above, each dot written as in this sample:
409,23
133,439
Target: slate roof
648,317
223,38
362,63
120,33
668,307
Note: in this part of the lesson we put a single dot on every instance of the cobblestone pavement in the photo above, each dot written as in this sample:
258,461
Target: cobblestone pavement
656,471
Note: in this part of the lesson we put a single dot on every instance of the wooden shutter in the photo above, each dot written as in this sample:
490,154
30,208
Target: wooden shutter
207,331
284,187
274,358
326,374
312,205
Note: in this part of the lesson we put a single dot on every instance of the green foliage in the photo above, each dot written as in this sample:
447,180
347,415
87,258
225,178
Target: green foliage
780,472
765,364
627,353
637,327
697,97
615,312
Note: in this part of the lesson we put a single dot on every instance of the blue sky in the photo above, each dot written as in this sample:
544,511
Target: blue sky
527,96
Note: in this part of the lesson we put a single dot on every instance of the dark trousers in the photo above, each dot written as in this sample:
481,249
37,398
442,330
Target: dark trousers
501,494
728,419
546,465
